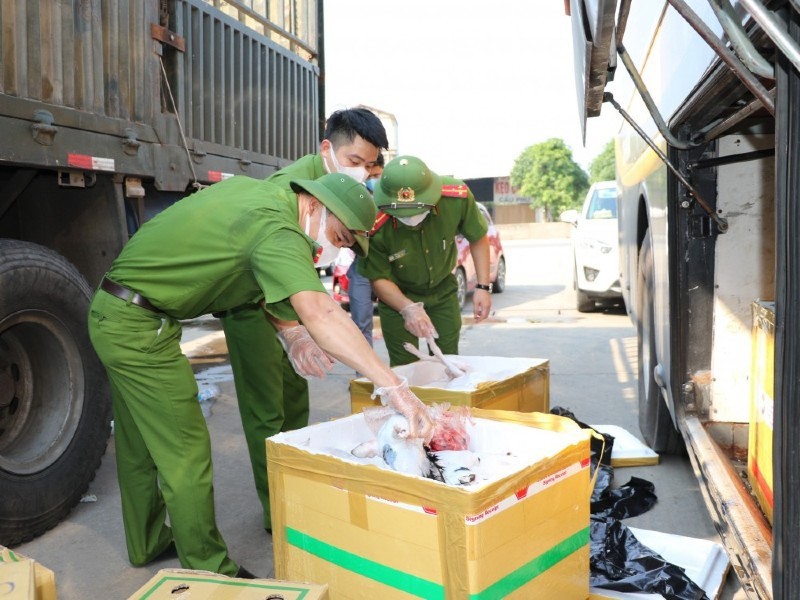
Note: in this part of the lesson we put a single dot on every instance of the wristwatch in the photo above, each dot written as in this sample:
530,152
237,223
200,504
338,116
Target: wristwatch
480,286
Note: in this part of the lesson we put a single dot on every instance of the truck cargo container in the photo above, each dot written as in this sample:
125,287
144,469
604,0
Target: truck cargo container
110,111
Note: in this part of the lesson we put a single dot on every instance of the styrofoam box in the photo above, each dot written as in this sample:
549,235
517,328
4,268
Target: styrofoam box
492,382
522,531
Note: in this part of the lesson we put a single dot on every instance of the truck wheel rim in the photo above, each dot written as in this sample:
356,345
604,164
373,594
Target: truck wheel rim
38,414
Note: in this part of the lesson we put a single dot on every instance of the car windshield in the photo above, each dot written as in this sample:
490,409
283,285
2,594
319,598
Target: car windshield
603,205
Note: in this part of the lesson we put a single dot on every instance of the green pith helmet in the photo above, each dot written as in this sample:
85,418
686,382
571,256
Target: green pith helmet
347,199
407,187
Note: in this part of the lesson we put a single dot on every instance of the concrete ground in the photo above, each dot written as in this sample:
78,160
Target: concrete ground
592,372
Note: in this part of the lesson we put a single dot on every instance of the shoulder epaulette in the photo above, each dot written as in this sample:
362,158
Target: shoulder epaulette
455,190
380,220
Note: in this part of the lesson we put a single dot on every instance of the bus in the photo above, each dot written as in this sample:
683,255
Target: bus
707,183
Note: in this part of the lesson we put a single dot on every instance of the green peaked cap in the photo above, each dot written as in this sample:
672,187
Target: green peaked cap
407,187
347,199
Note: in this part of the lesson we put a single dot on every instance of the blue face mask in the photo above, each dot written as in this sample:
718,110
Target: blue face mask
371,183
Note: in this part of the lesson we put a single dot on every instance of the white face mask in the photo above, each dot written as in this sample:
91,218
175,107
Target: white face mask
414,220
328,251
360,174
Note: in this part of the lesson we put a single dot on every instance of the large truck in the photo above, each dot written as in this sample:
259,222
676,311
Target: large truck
707,94
110,111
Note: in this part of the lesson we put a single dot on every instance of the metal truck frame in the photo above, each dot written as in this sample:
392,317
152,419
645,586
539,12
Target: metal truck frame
708,177
109,112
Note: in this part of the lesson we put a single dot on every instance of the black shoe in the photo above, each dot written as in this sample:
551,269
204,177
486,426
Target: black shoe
243,573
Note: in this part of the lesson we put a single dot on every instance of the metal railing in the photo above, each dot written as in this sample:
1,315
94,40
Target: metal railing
290,23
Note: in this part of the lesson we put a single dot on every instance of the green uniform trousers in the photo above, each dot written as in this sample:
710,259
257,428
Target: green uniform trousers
441,305
162,443
272,396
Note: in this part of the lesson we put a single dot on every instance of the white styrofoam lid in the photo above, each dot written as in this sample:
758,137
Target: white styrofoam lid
628,449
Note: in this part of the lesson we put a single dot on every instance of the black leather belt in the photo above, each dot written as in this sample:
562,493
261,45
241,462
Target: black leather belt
120,291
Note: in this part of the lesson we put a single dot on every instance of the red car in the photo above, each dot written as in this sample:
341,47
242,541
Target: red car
464,271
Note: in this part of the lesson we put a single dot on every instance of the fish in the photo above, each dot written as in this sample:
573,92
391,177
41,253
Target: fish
453,369
402,453
454,467
409,455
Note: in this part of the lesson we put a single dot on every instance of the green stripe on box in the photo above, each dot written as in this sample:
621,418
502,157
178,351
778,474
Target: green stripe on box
530,571
410,584
416,586
249,584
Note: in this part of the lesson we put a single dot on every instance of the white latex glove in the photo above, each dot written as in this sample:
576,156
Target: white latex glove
308,359
403,400
418,322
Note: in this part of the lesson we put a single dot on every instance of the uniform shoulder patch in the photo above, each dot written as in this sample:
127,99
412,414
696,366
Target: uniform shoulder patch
380,220
455,190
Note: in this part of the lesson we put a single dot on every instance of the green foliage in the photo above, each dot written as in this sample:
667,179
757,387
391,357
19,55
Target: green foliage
603,167
547,173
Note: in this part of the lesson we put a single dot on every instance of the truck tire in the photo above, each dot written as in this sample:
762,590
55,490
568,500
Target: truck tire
55,413
655,422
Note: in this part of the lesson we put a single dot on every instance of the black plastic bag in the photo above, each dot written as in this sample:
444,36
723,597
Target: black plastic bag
630,500
618,561
600,460
601,450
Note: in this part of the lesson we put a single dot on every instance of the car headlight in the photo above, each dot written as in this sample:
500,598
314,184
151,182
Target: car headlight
596,246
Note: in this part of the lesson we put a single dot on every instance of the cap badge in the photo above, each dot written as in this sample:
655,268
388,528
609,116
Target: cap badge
405,194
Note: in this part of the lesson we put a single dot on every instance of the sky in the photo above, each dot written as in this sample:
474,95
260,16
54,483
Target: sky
470,83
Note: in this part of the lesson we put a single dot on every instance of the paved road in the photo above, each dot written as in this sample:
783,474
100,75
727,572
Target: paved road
593,373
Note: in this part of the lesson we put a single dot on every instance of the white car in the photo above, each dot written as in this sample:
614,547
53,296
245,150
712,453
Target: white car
595,243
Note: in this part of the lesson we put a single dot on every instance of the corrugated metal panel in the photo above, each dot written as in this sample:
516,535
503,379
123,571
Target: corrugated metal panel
240,89
234,88
68,53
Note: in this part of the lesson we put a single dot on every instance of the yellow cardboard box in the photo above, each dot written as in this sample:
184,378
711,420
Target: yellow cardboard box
369,532
172,584
759,447
16,581
23,577
526,391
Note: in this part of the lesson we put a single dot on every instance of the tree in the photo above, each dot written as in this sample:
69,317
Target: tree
547,173
603,167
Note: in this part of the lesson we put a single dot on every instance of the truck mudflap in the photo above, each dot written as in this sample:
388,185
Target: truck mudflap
55,409
743,530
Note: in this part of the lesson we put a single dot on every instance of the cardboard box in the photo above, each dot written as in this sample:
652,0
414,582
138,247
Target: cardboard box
523,385
370,532
16,581
171,584
759,447
22,577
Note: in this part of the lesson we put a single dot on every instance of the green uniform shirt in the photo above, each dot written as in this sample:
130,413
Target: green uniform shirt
236,242
418,259
308,167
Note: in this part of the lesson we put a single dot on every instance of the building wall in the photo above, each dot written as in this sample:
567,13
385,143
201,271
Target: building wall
503,201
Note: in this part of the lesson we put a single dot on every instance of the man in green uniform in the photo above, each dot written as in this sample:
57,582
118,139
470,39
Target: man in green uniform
413,253
272,396
239,241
